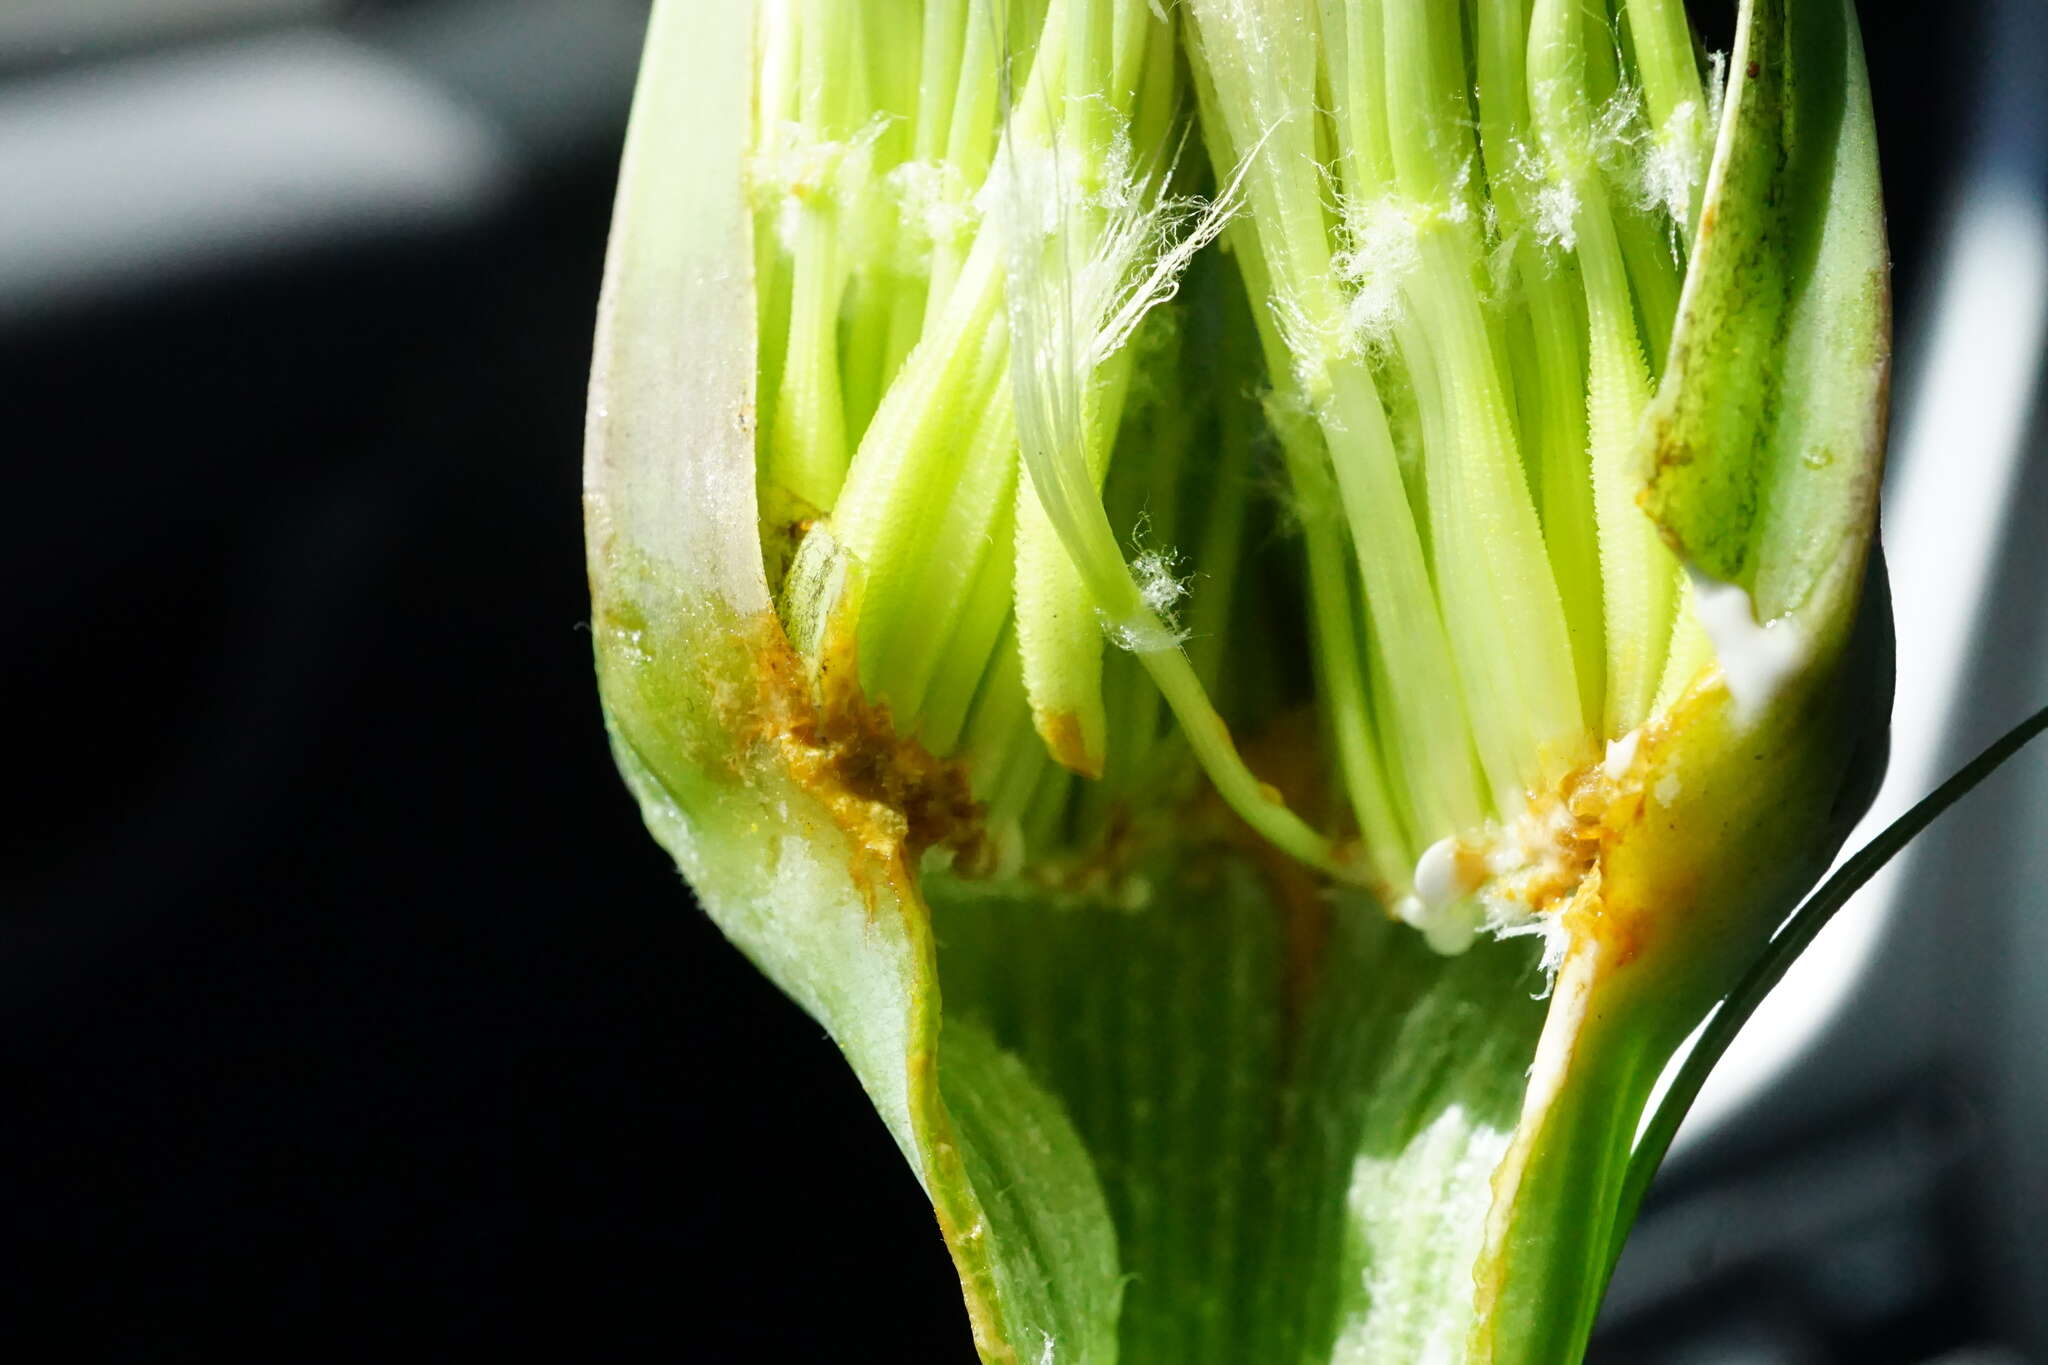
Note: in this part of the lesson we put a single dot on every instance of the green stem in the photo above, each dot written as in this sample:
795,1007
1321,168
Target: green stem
1546,1262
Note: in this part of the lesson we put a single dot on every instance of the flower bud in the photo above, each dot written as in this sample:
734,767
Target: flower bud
1296,563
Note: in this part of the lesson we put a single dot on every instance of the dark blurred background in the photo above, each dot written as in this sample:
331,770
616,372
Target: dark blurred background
344,1004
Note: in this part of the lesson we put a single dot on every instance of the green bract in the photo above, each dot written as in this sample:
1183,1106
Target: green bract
1254,603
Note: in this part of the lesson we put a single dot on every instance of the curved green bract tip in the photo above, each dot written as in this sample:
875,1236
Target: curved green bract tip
1764,444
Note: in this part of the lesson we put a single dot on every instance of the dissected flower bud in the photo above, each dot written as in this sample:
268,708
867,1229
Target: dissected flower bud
1296,563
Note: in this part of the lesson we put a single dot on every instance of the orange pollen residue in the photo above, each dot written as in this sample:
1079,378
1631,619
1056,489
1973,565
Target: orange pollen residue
891,796
1062,734
1606,811
1570,827
1619,930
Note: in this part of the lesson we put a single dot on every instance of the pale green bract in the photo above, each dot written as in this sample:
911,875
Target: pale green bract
1255,603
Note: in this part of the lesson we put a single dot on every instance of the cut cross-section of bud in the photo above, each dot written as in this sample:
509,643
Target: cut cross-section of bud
1295,562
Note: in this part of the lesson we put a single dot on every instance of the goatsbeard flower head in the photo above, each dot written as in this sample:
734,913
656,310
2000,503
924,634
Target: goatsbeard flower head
1316,884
